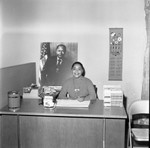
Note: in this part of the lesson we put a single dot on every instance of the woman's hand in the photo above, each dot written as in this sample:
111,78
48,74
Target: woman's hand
80,99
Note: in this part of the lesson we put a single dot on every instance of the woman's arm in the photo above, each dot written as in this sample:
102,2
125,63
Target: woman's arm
91,90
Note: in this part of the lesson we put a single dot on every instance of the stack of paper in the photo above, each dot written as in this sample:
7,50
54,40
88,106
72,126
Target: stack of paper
117,98
72,103
112,95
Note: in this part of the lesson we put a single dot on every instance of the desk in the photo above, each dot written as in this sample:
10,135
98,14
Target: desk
35,127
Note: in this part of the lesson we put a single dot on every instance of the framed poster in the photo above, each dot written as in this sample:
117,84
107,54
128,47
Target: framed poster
115,54
56,59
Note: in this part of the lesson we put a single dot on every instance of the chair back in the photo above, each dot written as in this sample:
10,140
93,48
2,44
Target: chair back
138,107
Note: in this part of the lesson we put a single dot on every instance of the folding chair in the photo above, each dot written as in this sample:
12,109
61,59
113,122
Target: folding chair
138,114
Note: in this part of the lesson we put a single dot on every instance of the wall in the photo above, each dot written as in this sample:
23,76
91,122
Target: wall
27,23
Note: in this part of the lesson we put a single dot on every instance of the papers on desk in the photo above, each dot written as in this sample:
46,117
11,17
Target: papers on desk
112,95
31,95
72,103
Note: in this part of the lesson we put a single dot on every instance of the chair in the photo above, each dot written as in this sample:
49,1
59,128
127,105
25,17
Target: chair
139,123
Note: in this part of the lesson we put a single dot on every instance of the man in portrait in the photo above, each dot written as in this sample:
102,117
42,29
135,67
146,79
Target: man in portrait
57,67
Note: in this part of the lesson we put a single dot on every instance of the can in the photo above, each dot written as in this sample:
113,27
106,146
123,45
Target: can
13,100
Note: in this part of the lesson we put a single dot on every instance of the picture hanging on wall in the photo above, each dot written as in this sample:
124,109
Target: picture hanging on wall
115,53
56,59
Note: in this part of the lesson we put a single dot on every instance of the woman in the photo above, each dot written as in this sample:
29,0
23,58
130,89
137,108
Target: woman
78,87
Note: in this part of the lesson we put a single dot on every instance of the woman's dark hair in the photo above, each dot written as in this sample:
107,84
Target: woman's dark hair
83,73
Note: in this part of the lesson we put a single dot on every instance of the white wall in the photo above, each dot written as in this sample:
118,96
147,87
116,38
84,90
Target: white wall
27,23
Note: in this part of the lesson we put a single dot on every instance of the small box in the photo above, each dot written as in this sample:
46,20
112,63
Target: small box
48,101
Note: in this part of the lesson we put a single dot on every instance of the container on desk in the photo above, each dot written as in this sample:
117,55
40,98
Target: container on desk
13,100
48,102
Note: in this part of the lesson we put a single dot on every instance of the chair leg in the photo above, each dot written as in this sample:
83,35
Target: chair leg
130,141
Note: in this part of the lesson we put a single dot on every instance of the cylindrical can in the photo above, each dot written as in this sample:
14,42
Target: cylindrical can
13,100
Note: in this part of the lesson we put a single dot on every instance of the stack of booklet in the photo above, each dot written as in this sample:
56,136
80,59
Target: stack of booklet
72,103
112,95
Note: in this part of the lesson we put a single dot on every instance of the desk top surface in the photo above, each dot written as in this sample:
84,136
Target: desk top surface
31,107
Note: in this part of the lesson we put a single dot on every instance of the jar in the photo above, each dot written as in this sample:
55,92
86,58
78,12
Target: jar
13,100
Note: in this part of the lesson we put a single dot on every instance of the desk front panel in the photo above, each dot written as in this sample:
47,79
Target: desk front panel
9,131
60,132
115,133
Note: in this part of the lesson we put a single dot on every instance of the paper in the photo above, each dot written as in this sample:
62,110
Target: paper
32,95
72,103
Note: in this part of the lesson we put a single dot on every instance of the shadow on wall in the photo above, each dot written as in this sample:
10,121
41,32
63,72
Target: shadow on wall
15,78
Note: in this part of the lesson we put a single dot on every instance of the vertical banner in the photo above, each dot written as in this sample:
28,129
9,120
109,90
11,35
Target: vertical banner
115,54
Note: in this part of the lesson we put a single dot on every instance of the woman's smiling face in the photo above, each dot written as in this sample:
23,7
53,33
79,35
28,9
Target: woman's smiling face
77,70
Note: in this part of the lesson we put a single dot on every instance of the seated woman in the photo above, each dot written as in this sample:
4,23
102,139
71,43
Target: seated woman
78,87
